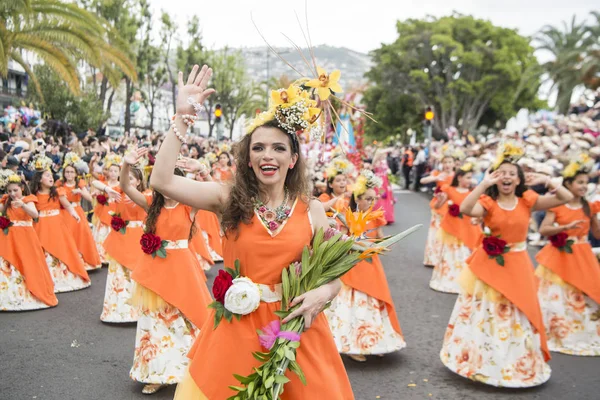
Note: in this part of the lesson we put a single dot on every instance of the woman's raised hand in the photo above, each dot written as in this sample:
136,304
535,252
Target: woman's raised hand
135,155
491,178
194,88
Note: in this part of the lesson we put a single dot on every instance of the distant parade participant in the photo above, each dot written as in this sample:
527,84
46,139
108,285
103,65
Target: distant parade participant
62,255
76,189
336,197
25,281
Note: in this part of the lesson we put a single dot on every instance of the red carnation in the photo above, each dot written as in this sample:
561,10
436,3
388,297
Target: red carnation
454,210
437,190
4,223
494,246
102,200
222,283
559,240
117,223
150,243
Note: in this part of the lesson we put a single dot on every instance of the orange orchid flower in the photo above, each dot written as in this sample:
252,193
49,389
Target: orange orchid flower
357,221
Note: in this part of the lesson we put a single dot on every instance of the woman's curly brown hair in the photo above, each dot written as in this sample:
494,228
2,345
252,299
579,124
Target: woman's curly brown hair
240,205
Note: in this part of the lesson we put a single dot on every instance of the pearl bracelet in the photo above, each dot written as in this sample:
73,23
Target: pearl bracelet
188,119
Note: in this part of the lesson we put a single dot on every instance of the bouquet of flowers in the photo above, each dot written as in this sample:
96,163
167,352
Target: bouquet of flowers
5,223
331,255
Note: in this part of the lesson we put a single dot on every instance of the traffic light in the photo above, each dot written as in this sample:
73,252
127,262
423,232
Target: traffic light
429,115
218,113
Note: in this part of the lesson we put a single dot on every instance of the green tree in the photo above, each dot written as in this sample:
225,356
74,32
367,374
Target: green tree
236,92
591,64
167,36
567,46
460,65
58,33
152,77
80,111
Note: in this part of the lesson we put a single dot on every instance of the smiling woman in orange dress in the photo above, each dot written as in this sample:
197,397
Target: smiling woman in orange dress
363,317
62,256
76,189
25,281
496,333
267,219
569,290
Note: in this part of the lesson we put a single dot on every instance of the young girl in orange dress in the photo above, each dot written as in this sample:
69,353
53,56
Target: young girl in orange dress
25,281
362,317
441,178
496,333
60,249
123,253
569,290
458,235
270,180
336,197
107,195
171,293
222,171
75,190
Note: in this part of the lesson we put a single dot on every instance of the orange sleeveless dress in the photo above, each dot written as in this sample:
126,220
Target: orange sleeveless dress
218,354
569,291
363,317
101,220
496,334
28,284
458,238
172,298
62,256
223,175
433,245
81,231
340,205
211,231
123,253
199,245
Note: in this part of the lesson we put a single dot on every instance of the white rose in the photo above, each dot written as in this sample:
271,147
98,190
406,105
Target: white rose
242,297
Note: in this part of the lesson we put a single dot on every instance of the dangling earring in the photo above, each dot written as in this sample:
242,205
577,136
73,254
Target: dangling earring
291,166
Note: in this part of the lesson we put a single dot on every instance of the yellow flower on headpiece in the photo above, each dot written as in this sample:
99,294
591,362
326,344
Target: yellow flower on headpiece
284,96
325,83
583,164
112,159
71,159
467,167
338,166
366,180
509,151
42,163
14,179
360,186
211,157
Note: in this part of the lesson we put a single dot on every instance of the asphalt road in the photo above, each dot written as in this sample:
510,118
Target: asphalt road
66,353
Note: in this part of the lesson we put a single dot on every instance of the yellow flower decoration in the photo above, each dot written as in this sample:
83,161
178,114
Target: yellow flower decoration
211,157
283,97
338,166
71,159
112,159
467,167
366,180
583,164
508,151
326,83
42,163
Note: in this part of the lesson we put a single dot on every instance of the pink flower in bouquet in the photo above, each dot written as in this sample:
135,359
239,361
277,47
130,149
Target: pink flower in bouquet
272,332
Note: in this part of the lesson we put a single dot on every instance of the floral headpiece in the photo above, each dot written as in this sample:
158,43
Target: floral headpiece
71,159
42,163
454,152
583,164
211,157
339,166
293,109
467,167
366,180
112,159
7,176
224,148
508,151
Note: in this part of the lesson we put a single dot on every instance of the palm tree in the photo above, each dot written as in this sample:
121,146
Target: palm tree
591,65
58,34
568,47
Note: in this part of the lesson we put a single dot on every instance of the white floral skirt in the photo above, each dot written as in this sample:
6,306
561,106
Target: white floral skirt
119,288
100,233
213,254
203,263
64,280
571,318
433,245
360,324
452,260
14,295
162,341
489,340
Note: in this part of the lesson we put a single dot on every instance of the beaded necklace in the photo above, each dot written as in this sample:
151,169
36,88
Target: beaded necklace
273,219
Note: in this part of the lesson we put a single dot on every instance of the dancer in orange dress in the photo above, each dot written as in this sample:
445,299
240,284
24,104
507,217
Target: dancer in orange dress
123,253
458,235
496,333
337,198
364,306
569,290
433,246
270,174
60,249
109,193
25,281
75,190
171,293
222,171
